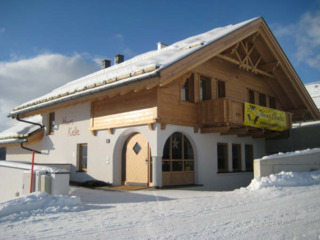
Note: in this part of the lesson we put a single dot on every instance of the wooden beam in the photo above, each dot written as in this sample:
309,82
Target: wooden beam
111,131
246,66
126,91
215,129
151,126
163,126
236,131
298,113
138,89
269,67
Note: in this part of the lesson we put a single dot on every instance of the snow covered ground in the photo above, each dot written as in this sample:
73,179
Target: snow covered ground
281,206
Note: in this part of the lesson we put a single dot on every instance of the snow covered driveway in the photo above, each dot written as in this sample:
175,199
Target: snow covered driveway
283,207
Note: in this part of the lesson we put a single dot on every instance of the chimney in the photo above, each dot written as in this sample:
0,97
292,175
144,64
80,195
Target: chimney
118,59
105,63
161,45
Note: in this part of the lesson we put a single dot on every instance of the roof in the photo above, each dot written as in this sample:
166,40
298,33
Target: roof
160,67
140,67
19,132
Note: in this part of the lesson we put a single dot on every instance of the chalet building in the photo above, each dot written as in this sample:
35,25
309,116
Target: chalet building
194,112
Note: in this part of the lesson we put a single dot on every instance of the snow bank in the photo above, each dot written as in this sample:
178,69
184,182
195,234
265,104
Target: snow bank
38,203
285,179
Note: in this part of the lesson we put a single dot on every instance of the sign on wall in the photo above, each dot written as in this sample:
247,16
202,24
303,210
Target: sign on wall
262,117
72,130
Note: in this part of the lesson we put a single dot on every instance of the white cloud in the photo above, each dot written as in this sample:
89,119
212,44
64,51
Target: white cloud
24,79
308,39
306,33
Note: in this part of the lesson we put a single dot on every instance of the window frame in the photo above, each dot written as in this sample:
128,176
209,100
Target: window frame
251,96
272,102
225,160
187,90
247,161
172,161
238,159
80,167
51,123
262,99
205,88
221,89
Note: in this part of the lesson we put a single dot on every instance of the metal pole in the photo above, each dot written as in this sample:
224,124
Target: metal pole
32,166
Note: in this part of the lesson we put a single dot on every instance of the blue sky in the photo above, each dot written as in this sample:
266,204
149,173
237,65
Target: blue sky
44,44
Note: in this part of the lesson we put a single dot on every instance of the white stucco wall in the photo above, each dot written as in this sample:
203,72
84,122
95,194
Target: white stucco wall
104,157
205,152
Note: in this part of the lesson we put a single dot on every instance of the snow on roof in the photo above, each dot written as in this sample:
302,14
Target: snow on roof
141,66
314,91
20,130
28,167
305,124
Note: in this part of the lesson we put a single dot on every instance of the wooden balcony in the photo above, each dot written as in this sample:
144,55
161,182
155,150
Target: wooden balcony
226,116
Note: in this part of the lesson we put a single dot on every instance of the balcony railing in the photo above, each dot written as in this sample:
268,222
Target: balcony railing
229,112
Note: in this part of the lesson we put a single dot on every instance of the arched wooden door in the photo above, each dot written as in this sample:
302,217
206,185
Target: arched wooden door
137,161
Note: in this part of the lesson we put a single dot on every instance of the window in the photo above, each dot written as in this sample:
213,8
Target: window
221,89
82,157
187,90
236,157
222,152
251,96
51,123
272,102
3,153
205,88
262,100
249,157
177,154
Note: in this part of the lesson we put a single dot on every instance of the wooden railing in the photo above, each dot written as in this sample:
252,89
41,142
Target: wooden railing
226,111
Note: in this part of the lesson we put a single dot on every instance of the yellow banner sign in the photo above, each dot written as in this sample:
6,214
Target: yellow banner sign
262,117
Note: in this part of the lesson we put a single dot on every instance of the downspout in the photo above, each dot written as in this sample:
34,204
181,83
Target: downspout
33,123
29,149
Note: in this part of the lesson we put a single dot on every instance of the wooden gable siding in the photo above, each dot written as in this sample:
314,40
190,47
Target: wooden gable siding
124,110
237,81
217,113
171,110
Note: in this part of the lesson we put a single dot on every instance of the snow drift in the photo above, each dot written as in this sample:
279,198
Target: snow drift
285,179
